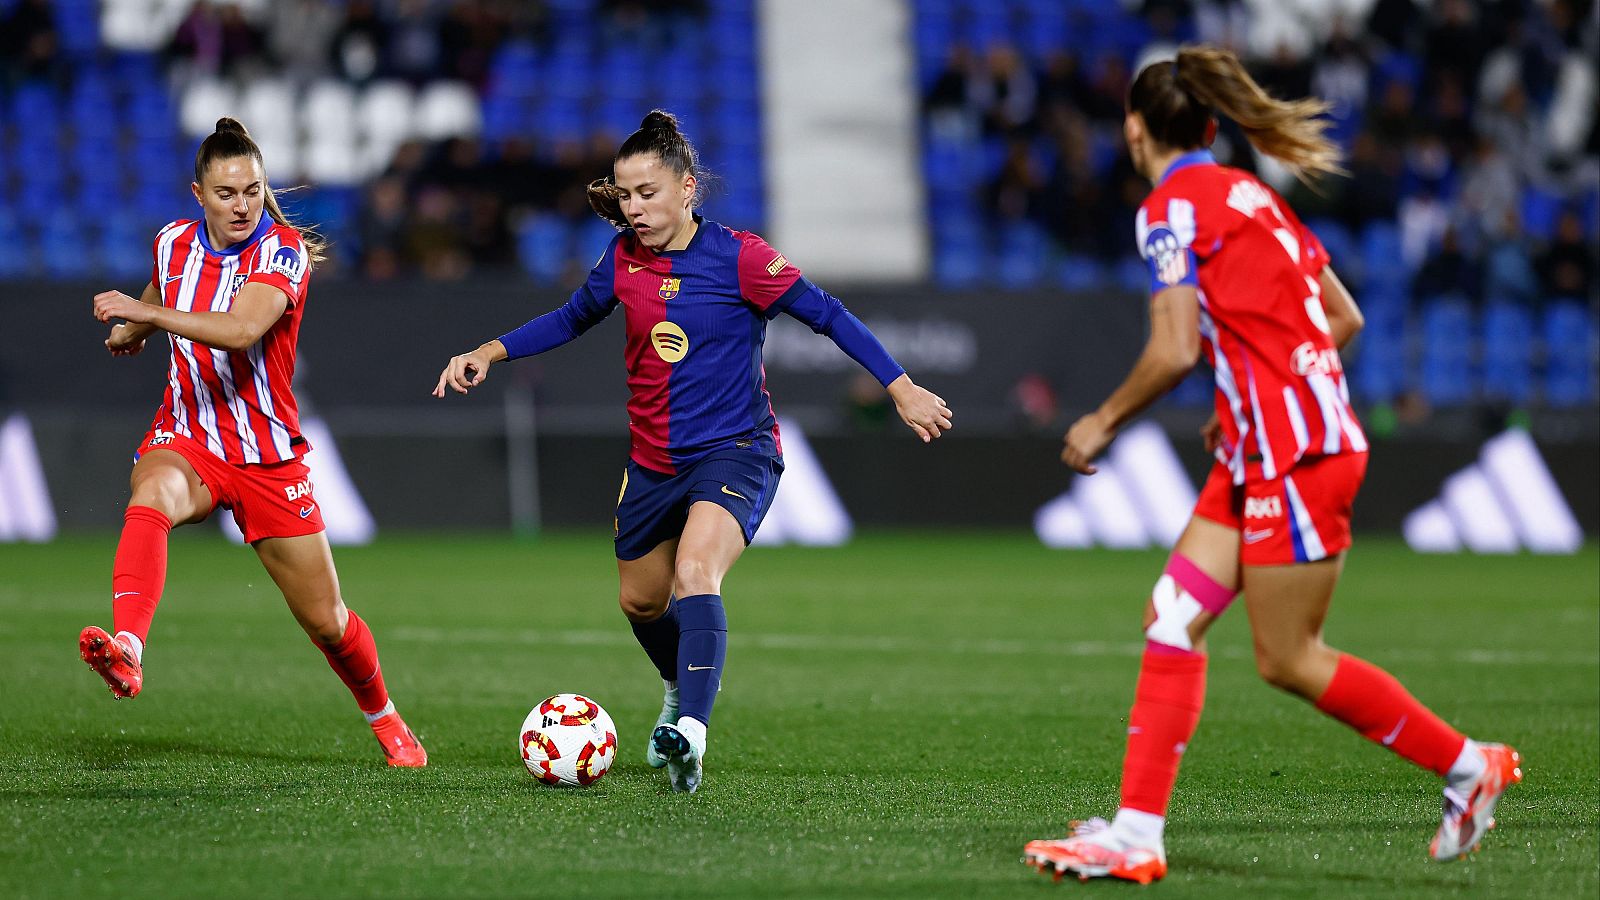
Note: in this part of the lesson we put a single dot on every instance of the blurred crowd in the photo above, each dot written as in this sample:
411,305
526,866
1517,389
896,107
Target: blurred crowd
1471,125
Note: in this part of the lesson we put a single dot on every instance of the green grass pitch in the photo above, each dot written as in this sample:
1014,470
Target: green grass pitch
899,716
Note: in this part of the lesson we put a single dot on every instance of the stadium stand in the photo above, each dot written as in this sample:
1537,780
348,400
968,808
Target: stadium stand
438,139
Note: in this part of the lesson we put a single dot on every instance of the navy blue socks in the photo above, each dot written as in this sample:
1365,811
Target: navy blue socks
702,647
660,641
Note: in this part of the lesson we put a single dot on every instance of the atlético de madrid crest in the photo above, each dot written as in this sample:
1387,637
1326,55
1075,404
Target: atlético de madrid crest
669,288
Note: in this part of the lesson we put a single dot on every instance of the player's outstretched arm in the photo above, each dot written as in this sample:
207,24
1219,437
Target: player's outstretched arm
127,338
468,370
1169,354
255,308
923,411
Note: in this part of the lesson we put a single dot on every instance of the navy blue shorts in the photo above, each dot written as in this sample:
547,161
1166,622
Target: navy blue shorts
653,507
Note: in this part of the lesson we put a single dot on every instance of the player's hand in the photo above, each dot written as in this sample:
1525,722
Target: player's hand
1085,440
469,369
922,410
124,341
110,305
1211,433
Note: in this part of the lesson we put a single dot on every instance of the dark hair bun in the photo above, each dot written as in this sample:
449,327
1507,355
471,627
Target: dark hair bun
659,119
228,123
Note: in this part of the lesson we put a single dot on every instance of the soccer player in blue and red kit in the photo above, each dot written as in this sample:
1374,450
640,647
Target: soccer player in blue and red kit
1234,272
706,452
230,290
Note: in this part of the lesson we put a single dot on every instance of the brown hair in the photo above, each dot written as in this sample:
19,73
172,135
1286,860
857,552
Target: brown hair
1179,98
658,135
231,140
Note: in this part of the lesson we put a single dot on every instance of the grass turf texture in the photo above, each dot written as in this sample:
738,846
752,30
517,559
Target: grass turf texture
898,718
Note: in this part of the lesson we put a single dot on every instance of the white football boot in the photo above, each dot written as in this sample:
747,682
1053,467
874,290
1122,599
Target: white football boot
1469,808
682,756
669,715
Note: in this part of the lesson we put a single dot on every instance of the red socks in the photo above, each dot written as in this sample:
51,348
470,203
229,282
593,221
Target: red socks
140,570
1166,709
1372,702
355,660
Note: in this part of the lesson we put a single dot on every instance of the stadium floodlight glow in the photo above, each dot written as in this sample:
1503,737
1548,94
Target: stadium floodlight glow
25,510
806,510
344,514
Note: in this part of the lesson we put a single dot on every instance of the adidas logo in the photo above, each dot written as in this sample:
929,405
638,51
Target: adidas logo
1140,496
26,513
1506,501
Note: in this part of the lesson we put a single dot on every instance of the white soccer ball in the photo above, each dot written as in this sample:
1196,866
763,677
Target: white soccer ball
568,740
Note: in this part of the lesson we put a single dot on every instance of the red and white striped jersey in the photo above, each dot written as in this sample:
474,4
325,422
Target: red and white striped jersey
1281,393
237,403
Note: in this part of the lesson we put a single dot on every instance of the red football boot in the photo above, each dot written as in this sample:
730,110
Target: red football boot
400,746
113,660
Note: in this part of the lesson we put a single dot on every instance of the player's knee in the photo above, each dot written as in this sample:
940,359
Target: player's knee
641,607
1183,604
164,489
1283,668
693,575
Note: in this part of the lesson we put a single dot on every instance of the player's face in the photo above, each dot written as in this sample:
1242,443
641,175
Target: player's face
231,193
654,198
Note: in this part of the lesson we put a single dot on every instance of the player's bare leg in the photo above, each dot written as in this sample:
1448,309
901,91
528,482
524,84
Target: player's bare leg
711,542
1287,607
645,595
302,567
1200,580
166,492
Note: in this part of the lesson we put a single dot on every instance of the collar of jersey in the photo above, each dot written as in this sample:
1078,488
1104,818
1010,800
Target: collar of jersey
700,228
261,229
1192,158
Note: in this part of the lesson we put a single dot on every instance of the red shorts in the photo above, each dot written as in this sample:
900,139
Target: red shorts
1300,516
268,500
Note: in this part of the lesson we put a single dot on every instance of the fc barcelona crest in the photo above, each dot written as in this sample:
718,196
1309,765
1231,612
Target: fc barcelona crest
669,288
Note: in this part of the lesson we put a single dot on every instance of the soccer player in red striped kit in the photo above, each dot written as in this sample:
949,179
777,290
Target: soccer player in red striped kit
1233,271
230,291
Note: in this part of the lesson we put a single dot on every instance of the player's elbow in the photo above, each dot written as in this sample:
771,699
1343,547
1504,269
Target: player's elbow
1177,358
240,337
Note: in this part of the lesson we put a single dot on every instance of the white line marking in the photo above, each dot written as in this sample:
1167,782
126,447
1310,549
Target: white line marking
860,643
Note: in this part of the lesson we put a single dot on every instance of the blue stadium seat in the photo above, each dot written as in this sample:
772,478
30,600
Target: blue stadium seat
1078,272
1507,352
78,27
1571,338
1341,247
13,248
124,246
1539,211
37,104
1132,274
1381,258
960,254
1021,260
1378,373
592,237
61,247
1448,378
544,245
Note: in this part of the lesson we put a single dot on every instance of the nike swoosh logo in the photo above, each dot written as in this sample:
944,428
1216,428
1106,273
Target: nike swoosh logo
700,668
122,594
1251,537
305,511
633,268
733,493
1389,738
171,278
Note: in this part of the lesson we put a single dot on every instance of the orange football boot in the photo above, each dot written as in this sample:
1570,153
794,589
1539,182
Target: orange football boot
1095,850
1469,810
400,746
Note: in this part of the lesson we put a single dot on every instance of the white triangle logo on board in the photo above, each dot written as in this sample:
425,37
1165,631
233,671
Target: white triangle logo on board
807,510
1140,496
25,510
344,513
1504,502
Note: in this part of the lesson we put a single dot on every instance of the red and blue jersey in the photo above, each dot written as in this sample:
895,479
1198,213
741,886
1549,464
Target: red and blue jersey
1281,393
696,323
